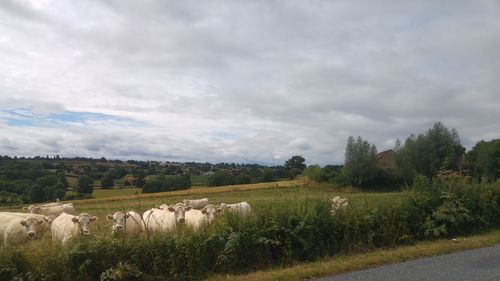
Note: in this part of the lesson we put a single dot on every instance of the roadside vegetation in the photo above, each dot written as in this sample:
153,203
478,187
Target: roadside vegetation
289,225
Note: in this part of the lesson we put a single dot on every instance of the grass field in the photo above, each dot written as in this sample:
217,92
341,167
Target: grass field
261,197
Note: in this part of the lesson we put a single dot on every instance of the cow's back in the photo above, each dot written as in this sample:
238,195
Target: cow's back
63,228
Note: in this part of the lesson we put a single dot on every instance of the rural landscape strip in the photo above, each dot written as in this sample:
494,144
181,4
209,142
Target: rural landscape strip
187,192
348,263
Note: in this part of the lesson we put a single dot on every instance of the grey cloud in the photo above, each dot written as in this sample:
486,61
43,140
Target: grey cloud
280,77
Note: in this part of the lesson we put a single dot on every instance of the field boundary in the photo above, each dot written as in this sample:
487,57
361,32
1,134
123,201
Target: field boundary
348,263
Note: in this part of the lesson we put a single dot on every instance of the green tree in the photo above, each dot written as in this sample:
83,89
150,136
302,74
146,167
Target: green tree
36,194
84,185
108,180
483,160
360,166
295,165
426,154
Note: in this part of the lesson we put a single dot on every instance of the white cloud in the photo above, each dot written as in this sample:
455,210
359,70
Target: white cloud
242,81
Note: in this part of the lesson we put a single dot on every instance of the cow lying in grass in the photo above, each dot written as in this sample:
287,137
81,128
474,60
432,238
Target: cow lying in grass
338,203
242,208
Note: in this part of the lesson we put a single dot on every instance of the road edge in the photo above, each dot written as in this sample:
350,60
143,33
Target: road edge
353,262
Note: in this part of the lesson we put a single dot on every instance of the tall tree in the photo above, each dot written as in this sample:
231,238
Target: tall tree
108,180
483,160
295,165
360,166
426,154
84,185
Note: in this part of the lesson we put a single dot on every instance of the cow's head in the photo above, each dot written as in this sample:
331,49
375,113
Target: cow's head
33,209
209,211
83,221
119,221
179,209
36,225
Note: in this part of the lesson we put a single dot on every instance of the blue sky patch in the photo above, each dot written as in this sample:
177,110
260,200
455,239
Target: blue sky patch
25,117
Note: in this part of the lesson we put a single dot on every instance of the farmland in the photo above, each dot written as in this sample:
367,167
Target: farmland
291,222
262,197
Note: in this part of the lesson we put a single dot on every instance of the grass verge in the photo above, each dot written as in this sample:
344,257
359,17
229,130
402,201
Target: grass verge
347,263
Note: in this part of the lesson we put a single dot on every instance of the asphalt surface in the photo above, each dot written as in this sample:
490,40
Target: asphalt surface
479,264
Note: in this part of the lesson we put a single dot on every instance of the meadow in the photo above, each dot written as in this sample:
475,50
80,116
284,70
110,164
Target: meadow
262,197
291,223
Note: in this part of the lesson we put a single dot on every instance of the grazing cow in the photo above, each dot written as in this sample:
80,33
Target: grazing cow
242,208
197,204
205,216
17,229
67,226
54,210
165,219
338,203
128,223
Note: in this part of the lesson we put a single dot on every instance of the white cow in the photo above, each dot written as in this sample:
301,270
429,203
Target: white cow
165,219
205,216
242,208
129,222
54,210
17,229
67,226
338,203
197,204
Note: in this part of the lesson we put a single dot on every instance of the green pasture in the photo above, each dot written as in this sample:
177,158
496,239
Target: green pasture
261,200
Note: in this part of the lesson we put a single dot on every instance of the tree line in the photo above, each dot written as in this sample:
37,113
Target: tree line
428,154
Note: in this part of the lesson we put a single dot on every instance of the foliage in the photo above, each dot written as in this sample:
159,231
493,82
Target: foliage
226,177
327,174
167,183
360,166
483,160
426,154
84,185
295,165
108,180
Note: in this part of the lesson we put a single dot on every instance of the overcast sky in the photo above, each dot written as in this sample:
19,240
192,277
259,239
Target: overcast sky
242,81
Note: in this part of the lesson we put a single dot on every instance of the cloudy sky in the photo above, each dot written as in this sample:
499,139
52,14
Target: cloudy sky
242,81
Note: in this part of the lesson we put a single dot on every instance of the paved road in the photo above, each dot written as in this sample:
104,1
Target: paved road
479,264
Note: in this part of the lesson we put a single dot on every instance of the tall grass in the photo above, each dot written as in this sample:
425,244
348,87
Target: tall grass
296,231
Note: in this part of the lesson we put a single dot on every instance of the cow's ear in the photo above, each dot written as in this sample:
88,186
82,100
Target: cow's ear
219,210
109,217
188,207
203,211
93,218
171,208
127,215
74,219
23,223
50,218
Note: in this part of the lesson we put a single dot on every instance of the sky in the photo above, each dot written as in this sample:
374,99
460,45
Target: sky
243,81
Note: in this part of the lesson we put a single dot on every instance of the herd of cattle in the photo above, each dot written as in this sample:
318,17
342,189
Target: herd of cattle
60,218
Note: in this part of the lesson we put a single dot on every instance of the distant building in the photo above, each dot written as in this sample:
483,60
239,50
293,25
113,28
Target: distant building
386,159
